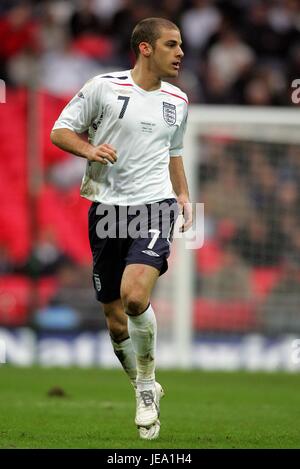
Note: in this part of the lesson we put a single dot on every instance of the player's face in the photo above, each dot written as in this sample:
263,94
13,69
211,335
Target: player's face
167,53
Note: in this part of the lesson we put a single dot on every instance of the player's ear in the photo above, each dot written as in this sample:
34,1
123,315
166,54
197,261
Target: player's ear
145,49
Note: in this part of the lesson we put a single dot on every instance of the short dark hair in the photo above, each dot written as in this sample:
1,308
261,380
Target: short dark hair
148,30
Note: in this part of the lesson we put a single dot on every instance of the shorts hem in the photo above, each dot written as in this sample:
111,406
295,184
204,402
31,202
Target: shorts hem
106,300
162,269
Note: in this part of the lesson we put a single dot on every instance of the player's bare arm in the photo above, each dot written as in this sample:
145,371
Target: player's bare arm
179,183
70,141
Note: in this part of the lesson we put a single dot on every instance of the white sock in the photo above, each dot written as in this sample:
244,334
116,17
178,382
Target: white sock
126,356
142,331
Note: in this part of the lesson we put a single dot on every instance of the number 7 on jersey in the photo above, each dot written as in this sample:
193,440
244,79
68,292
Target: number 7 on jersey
125,104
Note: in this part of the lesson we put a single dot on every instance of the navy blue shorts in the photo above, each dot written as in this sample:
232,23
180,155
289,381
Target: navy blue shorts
120,236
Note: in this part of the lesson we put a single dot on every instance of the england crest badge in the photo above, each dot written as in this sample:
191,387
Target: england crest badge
169,113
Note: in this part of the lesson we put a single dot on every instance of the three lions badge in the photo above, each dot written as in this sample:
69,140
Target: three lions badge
169,113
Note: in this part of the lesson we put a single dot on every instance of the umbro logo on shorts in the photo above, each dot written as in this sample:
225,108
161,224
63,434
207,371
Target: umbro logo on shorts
150,253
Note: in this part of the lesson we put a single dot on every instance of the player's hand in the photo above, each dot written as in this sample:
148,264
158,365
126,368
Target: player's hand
103,154
185,208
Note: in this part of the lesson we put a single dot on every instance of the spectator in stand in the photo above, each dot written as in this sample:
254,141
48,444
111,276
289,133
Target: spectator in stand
72,304
75,291
235,52
231,281
287,203
256,157
266,87
288,196
294,242
18,32
288,225
171,9
53,22
266,41
84,20
120,29
280,312
290,166
90,34
64,71
264,186
45,257
258,243
257,93
106,9
229,61
220,195
284,18
199,23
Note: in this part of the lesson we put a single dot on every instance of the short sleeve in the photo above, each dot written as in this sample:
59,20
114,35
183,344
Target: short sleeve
83,108
176,148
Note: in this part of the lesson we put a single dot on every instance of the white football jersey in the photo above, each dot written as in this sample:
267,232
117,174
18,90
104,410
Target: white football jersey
145,127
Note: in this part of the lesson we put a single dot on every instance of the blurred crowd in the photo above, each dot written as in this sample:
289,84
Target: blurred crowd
252,222
236,51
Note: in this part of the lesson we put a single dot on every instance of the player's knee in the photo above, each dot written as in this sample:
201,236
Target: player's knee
134,303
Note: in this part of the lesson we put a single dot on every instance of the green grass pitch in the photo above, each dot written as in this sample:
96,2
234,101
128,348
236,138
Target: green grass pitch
200,410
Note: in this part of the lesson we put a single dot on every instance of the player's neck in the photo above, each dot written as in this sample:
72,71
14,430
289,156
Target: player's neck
145,79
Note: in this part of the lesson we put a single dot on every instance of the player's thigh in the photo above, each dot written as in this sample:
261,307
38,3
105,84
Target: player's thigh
137,283
108,267
108,260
